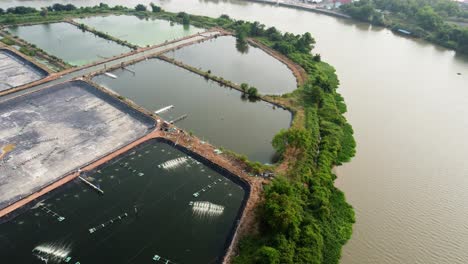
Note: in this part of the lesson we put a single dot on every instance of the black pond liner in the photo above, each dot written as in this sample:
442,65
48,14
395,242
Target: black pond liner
10,103
225,173
231,176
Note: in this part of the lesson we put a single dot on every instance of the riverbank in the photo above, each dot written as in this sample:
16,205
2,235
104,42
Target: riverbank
304,7
426,20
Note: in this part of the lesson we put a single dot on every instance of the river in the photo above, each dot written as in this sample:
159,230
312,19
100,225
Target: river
408,108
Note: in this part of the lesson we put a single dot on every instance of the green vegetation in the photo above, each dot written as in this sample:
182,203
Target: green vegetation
27,51
304,218
426,19
57,12
44,12
252,93
7,41
244,87
140,8
185,18
155,8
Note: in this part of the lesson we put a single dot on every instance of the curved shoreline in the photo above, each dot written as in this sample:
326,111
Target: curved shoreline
302,7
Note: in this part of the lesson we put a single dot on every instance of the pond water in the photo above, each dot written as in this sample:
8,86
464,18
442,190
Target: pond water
151,190
68,42
249,65
139,31
215,114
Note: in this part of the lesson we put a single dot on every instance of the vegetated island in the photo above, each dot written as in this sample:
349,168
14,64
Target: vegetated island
303,217
443,22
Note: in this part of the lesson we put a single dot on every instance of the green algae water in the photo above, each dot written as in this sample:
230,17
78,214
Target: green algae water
68,42
148,209
216,114
249,65
139,31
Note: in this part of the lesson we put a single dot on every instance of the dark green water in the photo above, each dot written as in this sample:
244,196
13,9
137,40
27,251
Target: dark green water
167,224
139,31
216,114
252,65
69,43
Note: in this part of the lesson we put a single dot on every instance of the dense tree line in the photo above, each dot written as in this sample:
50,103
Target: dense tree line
22,10
423,18
287,43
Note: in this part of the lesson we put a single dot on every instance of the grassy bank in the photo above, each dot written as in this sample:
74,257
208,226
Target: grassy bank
304,218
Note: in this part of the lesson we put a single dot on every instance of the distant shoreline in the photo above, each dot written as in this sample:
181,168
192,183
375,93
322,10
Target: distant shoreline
303,7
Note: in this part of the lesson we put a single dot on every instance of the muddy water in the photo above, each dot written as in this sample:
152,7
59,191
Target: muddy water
158,214
69,43
239,64
139,31
217,114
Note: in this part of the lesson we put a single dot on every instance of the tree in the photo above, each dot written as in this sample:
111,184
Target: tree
257,29
155,8
317,57
252,93
140,8
304,43
244,87
70,7
44,12
428,18
60,7
242,32
362,10
267,255
103,6
284,47
21,10
224,16
186,20
82,27
293,137
273,34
